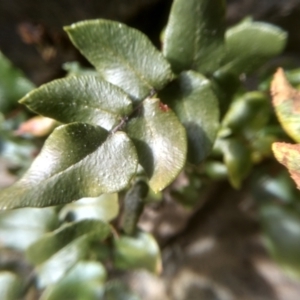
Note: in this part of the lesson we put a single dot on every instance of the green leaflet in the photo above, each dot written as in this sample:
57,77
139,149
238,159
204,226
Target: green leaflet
160,141
194,37
78,160
139,251
105,208
250,111
249,45
84,281
52,242
122,55
13,85
21,227
237,158
85,98
58,265
192,99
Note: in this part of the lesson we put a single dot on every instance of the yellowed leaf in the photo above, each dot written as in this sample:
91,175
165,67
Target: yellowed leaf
286,102
289,156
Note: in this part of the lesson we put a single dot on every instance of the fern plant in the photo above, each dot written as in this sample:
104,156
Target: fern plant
134,124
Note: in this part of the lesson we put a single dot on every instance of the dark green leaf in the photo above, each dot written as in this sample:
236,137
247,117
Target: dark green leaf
87,99
133,206
251,110
249,45
160,141
237,157
52,242
194,37
194,102
84,281
122,55
22,227
137,252
78,160
105,208
13,84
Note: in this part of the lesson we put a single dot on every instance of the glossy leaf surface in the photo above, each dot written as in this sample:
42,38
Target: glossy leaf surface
84,281
140,251
286,102
52,242
249,45
289,156
122,55
194,37
160,141
87,99
78,160
192,99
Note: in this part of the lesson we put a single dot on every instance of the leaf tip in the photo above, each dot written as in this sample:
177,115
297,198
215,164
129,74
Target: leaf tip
281,89
289,156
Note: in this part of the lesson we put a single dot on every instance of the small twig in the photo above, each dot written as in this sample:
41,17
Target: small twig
125,119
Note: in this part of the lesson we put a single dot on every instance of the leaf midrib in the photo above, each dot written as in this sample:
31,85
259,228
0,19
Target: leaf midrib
72,165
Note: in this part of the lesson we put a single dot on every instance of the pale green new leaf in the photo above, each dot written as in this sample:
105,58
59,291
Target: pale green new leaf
122,55
194,37
87,99
192,99
161,143
52,242
78,160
